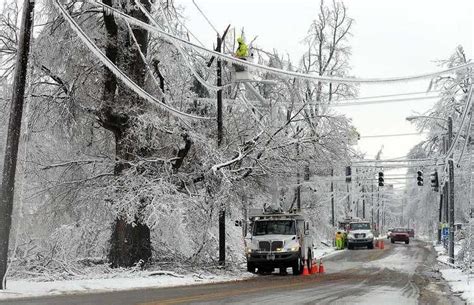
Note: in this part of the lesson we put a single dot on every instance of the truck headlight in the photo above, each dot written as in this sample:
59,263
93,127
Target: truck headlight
249,250
350,236
370,235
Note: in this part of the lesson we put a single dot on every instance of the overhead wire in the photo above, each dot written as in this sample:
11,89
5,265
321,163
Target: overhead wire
145,61
392,95
205,17
276,71
393,135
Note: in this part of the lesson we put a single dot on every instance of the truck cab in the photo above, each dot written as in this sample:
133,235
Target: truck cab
360,234
278,239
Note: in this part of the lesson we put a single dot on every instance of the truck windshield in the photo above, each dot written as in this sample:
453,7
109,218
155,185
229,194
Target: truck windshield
283,227
360,226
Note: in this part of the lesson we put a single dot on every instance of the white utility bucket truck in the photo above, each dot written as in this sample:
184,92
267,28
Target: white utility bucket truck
277,239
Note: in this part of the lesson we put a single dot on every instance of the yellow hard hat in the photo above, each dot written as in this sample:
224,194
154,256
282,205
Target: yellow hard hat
240,40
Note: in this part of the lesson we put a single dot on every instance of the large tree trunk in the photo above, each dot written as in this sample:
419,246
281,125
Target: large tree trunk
130,242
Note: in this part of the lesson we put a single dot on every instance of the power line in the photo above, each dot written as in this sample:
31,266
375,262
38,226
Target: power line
393,135
205,17
383,101
276,71
396,94
396,161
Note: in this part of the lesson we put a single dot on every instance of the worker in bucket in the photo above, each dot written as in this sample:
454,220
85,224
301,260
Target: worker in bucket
339,240
241,53
242,50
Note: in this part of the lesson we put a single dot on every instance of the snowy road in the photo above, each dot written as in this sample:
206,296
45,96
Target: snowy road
400,274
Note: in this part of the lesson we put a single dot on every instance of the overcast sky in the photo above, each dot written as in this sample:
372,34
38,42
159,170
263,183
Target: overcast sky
390,38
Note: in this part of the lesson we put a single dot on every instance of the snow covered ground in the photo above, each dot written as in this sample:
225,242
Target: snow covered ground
24,288
19,288
460,282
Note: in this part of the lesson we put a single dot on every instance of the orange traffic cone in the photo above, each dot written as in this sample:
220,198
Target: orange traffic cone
305,268
314,267
381,245
321,266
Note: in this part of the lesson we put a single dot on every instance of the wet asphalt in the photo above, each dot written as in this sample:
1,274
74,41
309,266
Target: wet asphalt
398,274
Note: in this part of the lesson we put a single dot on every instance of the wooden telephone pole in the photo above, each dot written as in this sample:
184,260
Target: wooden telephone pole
220,130
13,136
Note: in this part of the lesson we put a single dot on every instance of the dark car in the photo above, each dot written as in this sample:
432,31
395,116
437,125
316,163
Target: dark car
399,234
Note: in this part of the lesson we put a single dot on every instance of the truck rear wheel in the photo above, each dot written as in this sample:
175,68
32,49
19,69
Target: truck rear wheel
250,267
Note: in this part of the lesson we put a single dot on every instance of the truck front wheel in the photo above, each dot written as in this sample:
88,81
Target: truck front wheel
250,267
297,266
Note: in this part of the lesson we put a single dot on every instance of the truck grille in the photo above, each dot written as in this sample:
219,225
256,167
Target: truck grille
276,245
267,245
264,246
361,235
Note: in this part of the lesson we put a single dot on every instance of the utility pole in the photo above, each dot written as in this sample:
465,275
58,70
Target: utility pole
219,143
372,204
440,216
451,192
219,140
333,221
298,188
363,202
13,136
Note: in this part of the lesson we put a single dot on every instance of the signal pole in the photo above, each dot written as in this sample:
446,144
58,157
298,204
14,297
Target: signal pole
13,137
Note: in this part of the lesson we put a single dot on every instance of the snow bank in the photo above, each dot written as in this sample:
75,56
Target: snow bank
460,282
324,252
23,288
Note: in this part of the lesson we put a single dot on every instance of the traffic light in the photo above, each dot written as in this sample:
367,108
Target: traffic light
435,181
381,179
348,174
419,178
